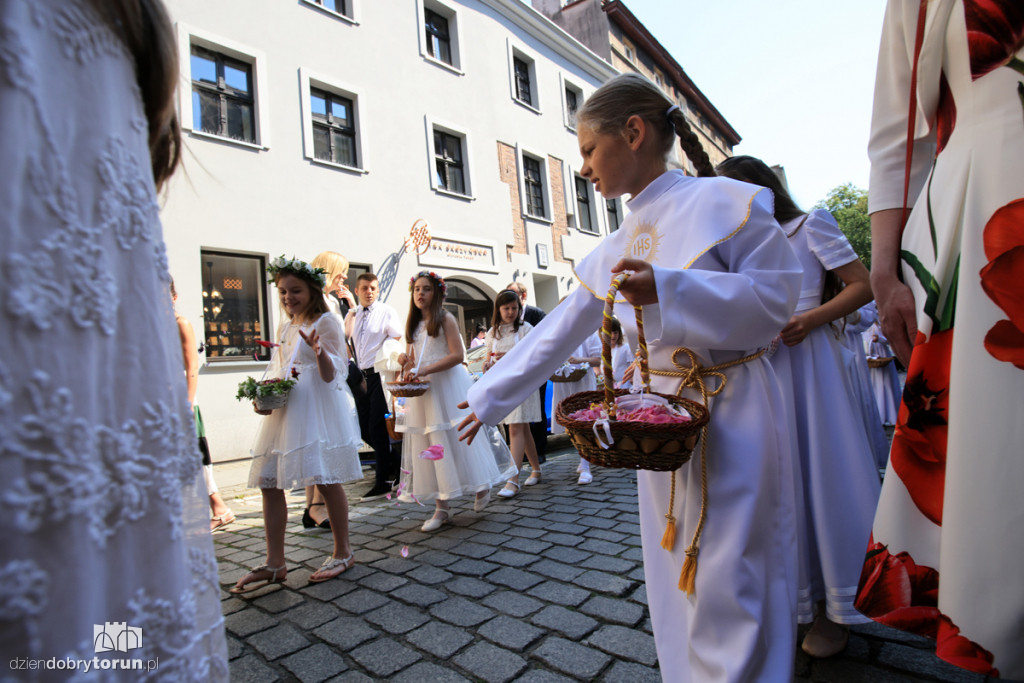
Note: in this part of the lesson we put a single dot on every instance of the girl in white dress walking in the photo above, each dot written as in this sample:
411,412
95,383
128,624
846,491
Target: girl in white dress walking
314,439
435,466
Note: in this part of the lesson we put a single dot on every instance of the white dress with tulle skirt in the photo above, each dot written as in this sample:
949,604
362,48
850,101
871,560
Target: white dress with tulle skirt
433,419
314,438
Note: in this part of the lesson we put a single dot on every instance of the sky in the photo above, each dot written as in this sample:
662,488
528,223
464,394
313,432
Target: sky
793,77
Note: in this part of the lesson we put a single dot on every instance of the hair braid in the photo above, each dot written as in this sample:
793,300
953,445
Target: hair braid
690,143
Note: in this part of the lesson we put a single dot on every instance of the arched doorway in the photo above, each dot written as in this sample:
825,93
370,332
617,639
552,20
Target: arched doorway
470,305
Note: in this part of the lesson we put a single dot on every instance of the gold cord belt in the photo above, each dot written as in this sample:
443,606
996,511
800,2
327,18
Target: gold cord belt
693,375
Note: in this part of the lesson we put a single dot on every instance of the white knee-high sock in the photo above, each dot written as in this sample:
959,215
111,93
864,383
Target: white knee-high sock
584,466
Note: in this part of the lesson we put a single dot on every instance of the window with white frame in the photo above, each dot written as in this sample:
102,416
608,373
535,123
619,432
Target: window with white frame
522,74
337,6
223,95
334,129
449,162
573,102
584,206
534,186
614,209
438,37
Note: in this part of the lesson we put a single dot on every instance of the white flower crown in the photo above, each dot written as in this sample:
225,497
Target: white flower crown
296,267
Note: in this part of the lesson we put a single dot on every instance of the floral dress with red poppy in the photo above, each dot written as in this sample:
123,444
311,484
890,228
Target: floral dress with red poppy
947,537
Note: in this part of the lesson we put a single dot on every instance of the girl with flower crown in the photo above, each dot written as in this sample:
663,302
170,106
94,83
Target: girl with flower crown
314,439
435,466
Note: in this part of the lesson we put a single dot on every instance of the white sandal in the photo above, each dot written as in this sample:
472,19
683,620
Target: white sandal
331,563
256,584
510,490
436,522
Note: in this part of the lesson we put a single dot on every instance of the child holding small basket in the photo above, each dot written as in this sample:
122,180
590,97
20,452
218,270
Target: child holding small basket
716,281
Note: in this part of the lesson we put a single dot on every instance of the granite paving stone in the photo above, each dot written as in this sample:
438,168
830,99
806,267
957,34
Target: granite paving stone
630,672
476,551
572,625
252,669
382,582
512,603
511,558
423,672
439,639
472,567
595,545
568,657
626,643
278,601
346,632
490,663
396,618
247,622
570,528
613,610
605,583
384,657
511,633
566,555
311,614
491,525
560,593
276,642
315,664
235,647
516,579
461,612
329,590
542,676
526,545
571,540
360,601
421,596
470,587
556,570
526,532
394,565
612,565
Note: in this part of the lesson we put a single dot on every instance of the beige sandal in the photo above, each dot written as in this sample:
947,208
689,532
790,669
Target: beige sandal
256,584
222,520
330,563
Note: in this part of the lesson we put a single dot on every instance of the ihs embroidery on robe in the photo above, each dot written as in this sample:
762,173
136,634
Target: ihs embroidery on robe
644,243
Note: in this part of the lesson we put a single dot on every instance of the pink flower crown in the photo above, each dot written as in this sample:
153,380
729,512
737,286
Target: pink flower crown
441,284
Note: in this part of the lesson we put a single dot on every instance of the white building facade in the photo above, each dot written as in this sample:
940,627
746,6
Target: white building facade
341,124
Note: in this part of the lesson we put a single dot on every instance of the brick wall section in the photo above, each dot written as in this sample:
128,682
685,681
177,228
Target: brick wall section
508,171
560,224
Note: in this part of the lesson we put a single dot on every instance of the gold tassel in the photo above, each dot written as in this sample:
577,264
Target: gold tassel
668,541
688,577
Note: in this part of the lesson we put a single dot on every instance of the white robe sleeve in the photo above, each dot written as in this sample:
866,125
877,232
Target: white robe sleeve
887,145
332,342
529,364
737,296
827,242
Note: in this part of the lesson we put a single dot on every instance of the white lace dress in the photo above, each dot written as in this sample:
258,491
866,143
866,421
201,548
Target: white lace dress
103,511
433,419
314,438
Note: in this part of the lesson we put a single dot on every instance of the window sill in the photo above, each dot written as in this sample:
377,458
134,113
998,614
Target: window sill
571,128
454,195
233,363
524,105
341,167
539,219
330,12
589,233
230,141
444,65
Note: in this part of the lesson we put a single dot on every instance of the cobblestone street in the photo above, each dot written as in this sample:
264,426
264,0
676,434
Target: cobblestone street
547,586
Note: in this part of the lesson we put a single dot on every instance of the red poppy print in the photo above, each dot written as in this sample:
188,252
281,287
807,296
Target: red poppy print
918,453
961,651
896,591
1003,239
995,32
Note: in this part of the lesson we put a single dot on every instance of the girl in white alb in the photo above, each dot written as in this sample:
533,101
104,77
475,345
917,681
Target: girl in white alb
435,466
715,275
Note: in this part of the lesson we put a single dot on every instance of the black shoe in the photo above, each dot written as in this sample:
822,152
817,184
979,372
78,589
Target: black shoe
307,519
378,491
326,524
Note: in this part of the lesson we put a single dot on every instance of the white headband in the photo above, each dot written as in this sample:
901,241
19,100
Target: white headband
671,109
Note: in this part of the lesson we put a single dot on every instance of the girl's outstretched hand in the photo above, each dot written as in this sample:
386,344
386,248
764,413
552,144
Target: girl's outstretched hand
469,426
313,339
639,289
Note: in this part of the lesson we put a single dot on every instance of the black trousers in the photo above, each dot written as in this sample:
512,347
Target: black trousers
539,430
372,408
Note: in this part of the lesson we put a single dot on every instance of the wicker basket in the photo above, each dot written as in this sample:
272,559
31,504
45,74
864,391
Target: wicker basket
408,390
635,445
574,376
271,401
880,362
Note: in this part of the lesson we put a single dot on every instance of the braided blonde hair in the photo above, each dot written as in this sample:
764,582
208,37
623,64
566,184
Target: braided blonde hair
631,94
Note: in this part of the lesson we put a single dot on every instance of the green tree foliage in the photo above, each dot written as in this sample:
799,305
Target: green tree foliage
849,204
